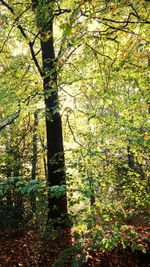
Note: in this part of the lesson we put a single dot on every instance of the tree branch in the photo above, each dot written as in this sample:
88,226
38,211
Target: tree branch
125,22
61,11
7,6
10,120
68,122
31,44
97,52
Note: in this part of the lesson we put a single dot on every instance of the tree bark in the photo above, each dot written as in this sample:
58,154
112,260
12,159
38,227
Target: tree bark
55,150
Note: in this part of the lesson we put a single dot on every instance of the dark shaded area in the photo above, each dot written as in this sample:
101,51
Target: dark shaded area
30,250
120,258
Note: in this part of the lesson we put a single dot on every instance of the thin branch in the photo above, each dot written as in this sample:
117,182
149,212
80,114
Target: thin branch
74,138
3,45
10,120
7,6
61,11
126,22
97,52
16,19
31,44
136,13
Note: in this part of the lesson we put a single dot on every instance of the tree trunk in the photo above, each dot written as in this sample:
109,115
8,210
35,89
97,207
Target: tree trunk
130,154
43,155
34,159
55,151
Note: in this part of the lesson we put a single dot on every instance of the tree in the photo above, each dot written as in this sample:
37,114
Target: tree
105,80
55,150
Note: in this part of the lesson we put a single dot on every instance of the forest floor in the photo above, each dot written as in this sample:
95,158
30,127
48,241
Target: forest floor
29,250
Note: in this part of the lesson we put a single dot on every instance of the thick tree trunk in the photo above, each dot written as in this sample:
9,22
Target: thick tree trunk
55,151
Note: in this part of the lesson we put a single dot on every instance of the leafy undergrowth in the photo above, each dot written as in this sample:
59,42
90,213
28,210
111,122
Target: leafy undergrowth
28,250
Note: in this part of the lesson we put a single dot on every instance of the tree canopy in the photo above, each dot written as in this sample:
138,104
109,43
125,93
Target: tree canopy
74,116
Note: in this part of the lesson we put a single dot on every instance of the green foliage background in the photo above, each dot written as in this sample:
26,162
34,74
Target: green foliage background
102,60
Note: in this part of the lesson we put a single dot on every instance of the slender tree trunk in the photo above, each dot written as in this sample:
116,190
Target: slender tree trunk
91,185
55,150
131,163
44,156
34,159
18,199
9,199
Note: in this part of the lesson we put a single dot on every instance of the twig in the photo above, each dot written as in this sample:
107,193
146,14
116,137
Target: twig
74,138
